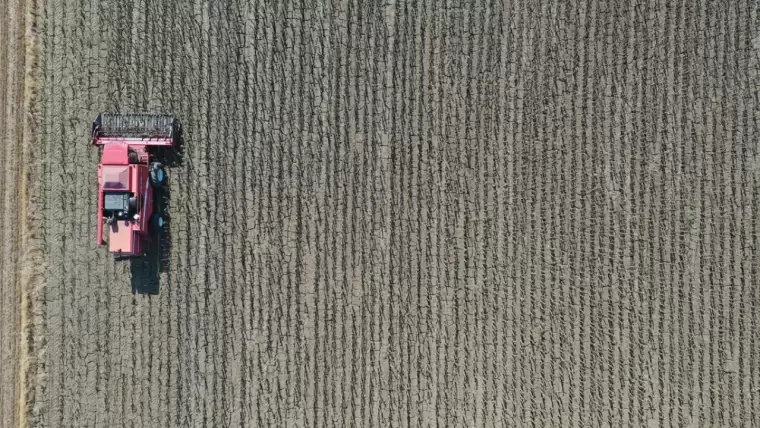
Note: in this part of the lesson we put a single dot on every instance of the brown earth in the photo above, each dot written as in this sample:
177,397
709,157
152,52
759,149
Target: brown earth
516,213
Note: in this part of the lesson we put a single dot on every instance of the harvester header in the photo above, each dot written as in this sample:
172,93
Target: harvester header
135,128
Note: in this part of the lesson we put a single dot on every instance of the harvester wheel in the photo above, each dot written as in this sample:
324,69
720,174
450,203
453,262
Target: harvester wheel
157,175
157,222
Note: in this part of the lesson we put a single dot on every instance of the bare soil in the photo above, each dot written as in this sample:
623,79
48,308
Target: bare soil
516,213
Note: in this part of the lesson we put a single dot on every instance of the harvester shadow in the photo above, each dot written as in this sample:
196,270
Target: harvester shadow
146,271
172,157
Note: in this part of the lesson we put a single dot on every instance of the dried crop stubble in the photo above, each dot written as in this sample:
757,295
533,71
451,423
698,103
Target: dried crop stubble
411,213
12,99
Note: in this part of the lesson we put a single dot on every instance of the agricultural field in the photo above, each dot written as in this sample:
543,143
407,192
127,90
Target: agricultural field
408,214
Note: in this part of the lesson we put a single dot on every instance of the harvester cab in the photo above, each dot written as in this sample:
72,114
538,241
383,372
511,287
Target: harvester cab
128,178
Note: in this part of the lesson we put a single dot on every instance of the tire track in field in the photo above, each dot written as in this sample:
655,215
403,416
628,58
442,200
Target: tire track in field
13,51
94,288
55,300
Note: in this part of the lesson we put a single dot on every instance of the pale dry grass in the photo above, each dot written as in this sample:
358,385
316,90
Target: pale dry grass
31,266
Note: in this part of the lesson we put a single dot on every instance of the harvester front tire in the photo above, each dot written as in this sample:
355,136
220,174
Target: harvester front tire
157,223
157,175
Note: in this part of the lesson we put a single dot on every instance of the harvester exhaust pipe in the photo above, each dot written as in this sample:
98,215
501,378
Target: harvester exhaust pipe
135,125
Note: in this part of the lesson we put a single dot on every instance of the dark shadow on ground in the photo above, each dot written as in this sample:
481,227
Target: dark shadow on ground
146,271
172,157
146,278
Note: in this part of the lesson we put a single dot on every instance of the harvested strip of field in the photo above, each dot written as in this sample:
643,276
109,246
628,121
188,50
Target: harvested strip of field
13,112
410,214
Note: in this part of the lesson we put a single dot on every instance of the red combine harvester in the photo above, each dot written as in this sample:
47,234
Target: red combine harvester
128,179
